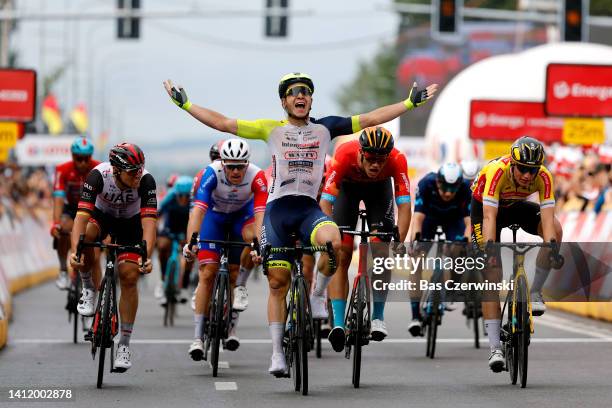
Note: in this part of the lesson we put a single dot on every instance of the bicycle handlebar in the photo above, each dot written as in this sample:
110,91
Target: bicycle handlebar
140,249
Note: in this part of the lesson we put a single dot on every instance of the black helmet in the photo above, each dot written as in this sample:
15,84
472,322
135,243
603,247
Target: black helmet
527,151
126,156
376,140
214,152
294,78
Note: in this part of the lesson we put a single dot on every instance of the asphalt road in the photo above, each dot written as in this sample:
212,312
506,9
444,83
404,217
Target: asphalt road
569,365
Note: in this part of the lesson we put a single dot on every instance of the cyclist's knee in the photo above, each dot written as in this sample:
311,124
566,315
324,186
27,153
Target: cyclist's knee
278,279
129,274
207,273
163,244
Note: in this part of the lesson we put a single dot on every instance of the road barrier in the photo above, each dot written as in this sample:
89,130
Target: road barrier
26,259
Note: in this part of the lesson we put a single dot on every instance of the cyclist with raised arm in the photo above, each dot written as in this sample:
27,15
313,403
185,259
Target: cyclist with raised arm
69,179
361,170
119,198
441,199
298,146
173,214
230,198
499,199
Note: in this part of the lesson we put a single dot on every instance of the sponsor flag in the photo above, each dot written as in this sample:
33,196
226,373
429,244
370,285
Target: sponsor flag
51,115
80,118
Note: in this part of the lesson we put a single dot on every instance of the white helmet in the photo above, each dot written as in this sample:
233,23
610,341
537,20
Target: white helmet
470,169
451,176
235,149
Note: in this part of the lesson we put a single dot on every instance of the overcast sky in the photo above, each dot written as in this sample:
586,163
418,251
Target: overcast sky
224,63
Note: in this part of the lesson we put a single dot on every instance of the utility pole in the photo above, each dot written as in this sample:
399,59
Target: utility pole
5,30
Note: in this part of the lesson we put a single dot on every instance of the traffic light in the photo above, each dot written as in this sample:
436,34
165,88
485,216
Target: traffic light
276,18
128,28
573,27
446,16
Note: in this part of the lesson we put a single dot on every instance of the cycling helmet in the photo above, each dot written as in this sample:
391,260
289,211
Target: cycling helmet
450,176
294,78
527,151
183,185
82,146
126,156
214,152
235,149
376,140
470,169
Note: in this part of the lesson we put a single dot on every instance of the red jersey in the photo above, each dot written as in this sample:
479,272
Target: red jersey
345,167
69,182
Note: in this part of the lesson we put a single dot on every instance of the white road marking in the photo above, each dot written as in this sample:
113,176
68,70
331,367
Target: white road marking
226,386
572,326
595,339
221,364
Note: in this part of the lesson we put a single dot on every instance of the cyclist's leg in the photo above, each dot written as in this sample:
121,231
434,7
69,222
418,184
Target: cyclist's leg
428,230
308,264
90,283
491,310
63,245
164,245
346,208
275,231
244,229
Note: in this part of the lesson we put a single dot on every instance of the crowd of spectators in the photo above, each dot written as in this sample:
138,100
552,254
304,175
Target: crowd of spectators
24,190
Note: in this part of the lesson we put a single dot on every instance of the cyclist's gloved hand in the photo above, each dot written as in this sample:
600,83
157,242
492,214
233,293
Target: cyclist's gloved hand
418,97
74,262
178,95
188,253
55,230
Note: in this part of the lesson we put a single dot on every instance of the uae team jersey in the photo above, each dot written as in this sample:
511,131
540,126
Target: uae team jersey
213,190
345,167
100,192
298,152
68,181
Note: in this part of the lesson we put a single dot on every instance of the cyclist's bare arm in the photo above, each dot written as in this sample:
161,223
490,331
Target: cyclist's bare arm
58,206
548,223
489,223
417,224
327,207
259,216
404,213
149,234
195,221
208,117
386,113
468,228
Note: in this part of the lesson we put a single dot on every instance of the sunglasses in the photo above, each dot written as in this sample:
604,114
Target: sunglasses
81,158
527,169
232,167
375,158
135,172
448,188
296,90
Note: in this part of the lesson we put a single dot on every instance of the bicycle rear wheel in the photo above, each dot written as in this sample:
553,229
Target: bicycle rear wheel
524,330
317,334
217,322
293,352
358,334
432,328
104,328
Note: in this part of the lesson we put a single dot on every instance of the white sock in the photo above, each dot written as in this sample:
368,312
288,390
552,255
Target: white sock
276,334
198,322
492,327
322,282
243,276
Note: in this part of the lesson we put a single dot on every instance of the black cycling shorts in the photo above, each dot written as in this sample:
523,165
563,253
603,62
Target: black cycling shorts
378,200
524,213
126,231
69,210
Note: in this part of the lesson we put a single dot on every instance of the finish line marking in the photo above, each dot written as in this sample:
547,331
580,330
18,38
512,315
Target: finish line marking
391,341
226,386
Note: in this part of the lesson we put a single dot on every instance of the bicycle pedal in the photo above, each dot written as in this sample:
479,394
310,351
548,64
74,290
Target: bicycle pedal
88,336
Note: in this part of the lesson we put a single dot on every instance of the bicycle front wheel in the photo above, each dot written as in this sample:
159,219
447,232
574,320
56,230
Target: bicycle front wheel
512,357
524,330
359,333
303,335
217,322
104,328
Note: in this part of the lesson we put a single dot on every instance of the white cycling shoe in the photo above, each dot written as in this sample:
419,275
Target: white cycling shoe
497,360
416,328
538,307
196,350
86,303
122,361
159,290
62,282
278,365
241,299
379,330
318,307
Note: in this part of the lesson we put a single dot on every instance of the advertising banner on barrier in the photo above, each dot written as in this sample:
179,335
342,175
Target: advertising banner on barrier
17,95
40,150
509,120
578,90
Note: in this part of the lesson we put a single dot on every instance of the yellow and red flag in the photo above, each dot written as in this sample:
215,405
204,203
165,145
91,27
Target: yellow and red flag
51,115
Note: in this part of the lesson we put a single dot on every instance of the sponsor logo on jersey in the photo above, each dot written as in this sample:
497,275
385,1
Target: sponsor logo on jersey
495,182
301,163
287,182
309,154
547,184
